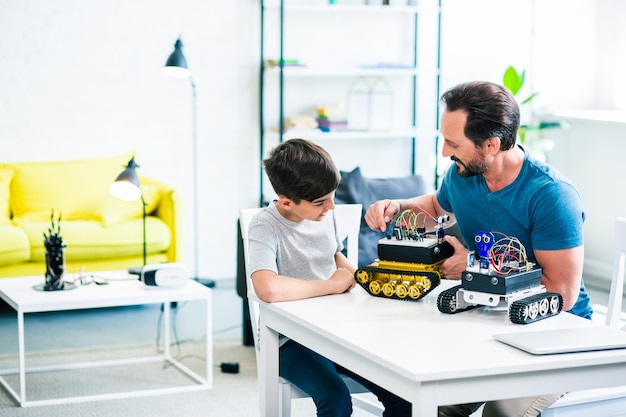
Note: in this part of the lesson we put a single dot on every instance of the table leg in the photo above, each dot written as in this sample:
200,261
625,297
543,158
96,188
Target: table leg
21,356
268,371
166,330
422,405
209,340
424,410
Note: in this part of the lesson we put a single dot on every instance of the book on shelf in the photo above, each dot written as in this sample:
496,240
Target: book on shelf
286,62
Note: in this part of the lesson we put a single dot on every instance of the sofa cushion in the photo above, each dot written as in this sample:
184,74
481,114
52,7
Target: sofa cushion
115,210
6,173
354,188
14,245
78,190
90,239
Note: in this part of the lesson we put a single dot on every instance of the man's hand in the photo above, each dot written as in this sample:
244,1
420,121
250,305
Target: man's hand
342,281
454,266
380,214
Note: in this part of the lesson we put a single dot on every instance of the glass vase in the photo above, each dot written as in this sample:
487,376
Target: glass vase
55,270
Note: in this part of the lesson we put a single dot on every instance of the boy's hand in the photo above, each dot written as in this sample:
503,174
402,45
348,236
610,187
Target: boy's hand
342,280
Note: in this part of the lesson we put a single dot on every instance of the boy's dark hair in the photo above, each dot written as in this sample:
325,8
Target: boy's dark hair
491,111
301,170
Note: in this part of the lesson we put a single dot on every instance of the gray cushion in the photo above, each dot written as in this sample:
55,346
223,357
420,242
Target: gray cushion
354,188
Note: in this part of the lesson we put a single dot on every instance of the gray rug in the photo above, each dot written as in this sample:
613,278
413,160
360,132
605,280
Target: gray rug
232,394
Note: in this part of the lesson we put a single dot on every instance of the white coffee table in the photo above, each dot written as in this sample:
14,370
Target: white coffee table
123,290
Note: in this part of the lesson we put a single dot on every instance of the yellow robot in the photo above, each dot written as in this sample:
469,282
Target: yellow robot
408,264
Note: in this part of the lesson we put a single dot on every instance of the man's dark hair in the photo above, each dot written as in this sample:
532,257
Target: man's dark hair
301,170
491,109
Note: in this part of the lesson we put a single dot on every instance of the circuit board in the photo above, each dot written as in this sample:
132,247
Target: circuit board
477,279
423,251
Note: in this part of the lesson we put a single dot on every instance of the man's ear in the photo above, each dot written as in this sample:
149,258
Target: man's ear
492,145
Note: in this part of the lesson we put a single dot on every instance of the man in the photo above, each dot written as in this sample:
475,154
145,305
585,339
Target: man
495,185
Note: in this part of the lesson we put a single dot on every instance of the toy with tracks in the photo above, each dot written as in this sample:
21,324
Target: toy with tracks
503,276
408,261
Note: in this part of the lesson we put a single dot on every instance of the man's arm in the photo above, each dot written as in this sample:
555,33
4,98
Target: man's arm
382,212
562,271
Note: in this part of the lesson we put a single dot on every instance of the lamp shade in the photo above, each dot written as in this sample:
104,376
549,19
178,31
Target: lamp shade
126,185
176,65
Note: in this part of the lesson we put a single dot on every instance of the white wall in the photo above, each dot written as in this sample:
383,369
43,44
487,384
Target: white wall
591,154
80,78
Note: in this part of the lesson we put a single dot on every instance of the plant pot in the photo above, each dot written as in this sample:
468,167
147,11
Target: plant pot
55,270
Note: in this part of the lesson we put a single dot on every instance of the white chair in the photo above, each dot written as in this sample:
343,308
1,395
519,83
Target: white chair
348,223
603,402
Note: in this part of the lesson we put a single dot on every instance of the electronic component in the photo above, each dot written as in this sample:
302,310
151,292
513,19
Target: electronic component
504,275
171,274
229,367
409,258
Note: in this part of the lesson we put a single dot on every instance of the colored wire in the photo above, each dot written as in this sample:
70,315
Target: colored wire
425,212
506,252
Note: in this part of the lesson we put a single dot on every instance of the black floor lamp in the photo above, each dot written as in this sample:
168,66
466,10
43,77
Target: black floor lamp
127,187
176,67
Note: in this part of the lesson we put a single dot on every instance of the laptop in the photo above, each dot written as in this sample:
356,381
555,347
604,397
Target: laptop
545,342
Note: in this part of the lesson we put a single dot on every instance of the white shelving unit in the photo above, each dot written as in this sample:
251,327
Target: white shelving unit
337,46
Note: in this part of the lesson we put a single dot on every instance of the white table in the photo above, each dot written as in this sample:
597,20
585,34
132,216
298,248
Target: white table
123,290
427,357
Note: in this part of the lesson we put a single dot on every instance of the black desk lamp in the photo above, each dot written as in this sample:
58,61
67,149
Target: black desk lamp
176,67
127,187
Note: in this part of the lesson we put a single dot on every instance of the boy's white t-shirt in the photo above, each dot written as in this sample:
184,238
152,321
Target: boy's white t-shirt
304,250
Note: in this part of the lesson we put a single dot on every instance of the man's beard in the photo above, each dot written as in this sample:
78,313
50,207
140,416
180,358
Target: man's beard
474,167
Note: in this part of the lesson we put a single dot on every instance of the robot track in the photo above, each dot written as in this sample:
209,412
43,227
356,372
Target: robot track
535,308
400,284
449,302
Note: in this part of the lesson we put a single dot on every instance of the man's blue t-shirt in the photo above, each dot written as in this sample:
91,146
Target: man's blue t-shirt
541,208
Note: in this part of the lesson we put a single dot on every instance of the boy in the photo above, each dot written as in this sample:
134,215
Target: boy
295,253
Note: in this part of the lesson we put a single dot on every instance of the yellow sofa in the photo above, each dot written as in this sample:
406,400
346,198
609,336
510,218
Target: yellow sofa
100,231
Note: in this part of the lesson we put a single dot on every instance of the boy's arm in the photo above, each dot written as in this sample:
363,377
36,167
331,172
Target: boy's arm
342,262
271,287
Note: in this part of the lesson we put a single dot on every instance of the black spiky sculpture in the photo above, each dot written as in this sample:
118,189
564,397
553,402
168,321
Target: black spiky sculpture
55,256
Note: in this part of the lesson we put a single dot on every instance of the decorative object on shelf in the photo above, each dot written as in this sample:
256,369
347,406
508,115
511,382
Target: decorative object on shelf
531,134
176,66
386,2
331,118
300,122
286,62
369,104
127,187
55,259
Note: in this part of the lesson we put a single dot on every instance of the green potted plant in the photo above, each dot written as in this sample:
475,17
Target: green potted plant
531,135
